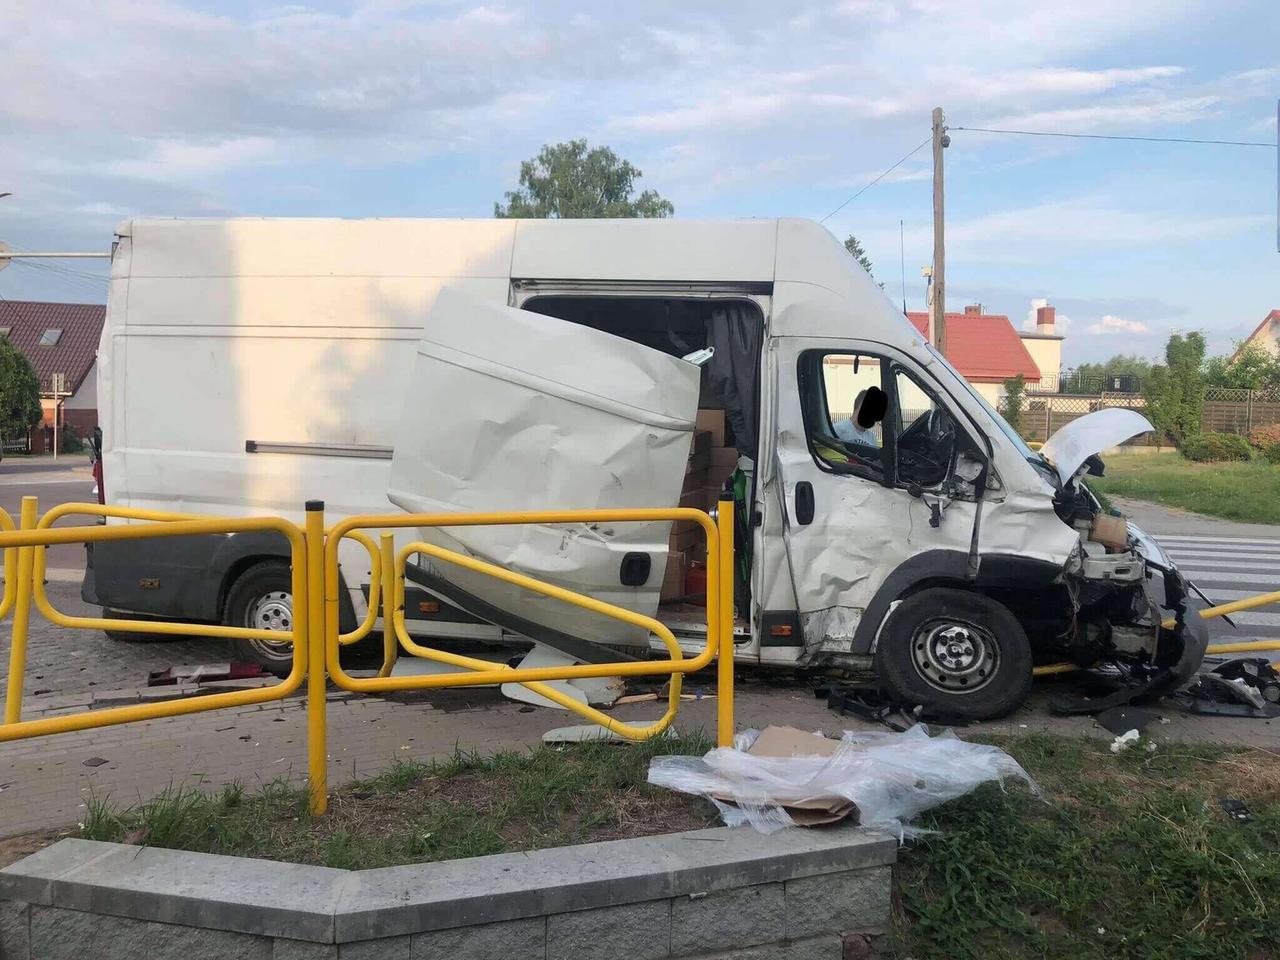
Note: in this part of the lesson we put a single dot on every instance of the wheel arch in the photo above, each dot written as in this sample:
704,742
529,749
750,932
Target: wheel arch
241,565
948,568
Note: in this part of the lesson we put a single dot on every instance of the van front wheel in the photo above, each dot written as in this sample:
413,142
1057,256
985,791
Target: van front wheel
957,653
262,598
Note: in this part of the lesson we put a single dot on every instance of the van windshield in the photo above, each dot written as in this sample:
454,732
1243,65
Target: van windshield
1011,434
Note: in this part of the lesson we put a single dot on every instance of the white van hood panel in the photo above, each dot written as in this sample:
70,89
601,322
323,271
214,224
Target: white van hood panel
510,410
1080,439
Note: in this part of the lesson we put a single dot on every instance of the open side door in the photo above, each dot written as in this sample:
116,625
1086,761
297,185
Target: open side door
510,410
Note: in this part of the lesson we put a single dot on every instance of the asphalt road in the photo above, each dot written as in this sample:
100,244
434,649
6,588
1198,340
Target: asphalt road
65,481
1227,560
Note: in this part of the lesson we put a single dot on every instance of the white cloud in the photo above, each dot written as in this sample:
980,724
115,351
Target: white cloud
1111,326
1142,112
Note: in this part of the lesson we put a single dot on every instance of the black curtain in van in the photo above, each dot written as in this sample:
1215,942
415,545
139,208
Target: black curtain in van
733,373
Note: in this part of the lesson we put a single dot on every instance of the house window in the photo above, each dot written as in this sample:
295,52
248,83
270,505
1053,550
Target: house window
50,337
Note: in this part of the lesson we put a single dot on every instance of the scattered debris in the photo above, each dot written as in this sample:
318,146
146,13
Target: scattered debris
870,702
1125,740
1235,809
1238,688
203,673
635,698
783,777
95,762
1122,719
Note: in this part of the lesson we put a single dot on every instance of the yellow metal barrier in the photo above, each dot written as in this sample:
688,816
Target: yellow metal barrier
10,567
315,634
31,541
719,615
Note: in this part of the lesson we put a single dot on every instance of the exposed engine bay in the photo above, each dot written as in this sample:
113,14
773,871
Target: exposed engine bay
1124,600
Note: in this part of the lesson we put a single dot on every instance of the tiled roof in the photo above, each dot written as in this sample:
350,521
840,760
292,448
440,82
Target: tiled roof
983,347
73,354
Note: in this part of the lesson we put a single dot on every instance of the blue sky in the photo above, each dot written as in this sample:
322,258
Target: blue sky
398,108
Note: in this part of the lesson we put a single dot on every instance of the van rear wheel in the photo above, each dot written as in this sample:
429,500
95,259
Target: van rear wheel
958,653
262,598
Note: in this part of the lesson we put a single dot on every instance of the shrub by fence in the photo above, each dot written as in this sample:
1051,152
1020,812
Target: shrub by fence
1214,447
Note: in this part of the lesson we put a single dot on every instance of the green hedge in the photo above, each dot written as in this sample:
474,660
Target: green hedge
1272,453
1212,447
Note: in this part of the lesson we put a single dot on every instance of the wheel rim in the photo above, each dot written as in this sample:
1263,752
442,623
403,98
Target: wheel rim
271,611
954,656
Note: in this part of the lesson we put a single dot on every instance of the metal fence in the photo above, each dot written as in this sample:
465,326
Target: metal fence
1225,410
1042,415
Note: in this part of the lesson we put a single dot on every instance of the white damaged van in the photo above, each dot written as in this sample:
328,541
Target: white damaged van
249,365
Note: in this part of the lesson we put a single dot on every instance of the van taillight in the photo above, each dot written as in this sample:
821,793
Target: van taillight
97,479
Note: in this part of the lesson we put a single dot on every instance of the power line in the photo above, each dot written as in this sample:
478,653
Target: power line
80,282
877,180
1106,136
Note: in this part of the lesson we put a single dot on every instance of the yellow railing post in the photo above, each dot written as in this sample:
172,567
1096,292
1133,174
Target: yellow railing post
317,739
390,647
21,617
724,666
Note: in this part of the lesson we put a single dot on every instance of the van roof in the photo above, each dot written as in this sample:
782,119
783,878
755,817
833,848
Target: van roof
673,250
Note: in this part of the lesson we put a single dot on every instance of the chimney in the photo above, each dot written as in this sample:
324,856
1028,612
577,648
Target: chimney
973,310
1044,320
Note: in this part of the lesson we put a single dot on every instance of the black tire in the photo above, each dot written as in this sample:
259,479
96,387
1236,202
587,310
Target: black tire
957,653
262,597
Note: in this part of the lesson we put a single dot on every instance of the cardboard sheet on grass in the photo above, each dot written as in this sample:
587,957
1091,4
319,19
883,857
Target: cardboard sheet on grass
783,777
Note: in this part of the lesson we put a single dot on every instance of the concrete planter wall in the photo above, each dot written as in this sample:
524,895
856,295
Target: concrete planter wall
701,894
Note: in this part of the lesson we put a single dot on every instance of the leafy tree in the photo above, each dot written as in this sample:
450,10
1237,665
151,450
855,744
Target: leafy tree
19,392
572,180
1122,365
1175,389
858,253
1015,394
1253,367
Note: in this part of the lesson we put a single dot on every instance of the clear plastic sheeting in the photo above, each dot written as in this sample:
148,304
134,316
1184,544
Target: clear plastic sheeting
889,777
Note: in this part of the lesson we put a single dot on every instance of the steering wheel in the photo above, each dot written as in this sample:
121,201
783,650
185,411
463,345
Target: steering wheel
939,428
921,444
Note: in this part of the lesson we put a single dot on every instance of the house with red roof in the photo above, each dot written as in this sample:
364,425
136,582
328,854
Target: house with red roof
988,350
61,341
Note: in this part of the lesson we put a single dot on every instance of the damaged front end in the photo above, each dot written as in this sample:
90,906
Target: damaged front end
1126,602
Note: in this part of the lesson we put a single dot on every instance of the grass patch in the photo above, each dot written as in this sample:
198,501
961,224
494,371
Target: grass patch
1131,856
465,806
1235,491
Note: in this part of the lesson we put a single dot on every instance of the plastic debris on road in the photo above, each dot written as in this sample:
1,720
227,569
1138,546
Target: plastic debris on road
783,777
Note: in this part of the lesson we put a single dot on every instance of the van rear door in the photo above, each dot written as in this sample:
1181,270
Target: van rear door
510,410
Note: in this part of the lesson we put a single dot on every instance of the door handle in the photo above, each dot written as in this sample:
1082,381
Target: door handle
804,503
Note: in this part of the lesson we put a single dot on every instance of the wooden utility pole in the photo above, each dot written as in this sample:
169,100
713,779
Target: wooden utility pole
938,305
